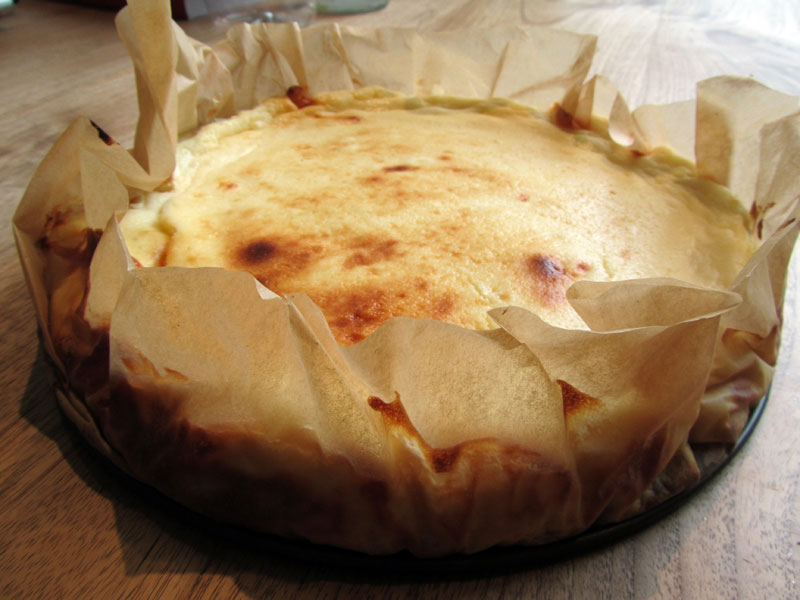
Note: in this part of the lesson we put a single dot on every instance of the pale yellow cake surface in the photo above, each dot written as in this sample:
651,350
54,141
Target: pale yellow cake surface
376,205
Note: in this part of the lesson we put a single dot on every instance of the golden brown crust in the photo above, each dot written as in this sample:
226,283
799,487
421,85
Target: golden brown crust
384,206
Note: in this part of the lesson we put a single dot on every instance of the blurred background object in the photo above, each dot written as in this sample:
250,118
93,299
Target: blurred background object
260,11
349,7
181,9
301,11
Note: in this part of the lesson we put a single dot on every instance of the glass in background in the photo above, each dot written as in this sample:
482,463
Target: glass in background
262,11
349,7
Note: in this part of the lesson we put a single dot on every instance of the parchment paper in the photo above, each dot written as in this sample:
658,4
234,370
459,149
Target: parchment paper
661,358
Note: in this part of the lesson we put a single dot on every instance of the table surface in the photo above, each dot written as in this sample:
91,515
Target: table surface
71,527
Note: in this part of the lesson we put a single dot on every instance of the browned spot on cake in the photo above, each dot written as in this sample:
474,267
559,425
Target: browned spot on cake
140,365
392,411
580,269
369,251
299,96
395,415
443,306
399,168
443,230
251,171
549,278
163,257
523,197
394,188
275,260
574,399
55,218
256,252
400,194
66,234
374,179
476,174
443,459
280,261
355,313
561,117
335,117
175,374
227,185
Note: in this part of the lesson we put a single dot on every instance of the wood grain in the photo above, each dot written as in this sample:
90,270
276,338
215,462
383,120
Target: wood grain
71,527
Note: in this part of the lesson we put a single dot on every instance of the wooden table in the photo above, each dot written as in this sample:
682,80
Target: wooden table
70,527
